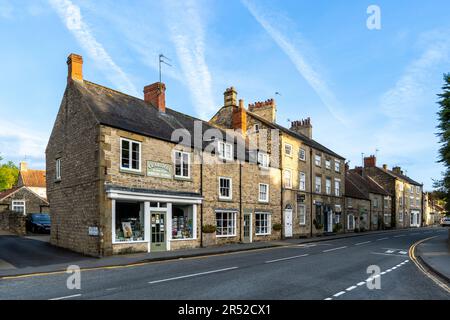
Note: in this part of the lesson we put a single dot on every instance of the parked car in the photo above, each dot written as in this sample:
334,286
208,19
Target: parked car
445,222
38,223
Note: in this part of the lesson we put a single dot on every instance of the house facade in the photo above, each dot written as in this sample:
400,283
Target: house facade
406,193
132,175
312,185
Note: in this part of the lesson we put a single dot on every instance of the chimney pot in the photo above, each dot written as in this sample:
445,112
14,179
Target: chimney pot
155,94
303,127
75,68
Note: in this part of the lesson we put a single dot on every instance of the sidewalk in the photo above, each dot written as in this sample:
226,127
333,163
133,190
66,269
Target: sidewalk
122,260
435,254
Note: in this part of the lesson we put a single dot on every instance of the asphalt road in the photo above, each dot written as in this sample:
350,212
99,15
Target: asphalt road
334,270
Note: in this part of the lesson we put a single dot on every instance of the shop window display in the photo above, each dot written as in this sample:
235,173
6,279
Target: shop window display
182,222
129,222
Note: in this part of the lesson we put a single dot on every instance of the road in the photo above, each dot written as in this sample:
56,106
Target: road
331,270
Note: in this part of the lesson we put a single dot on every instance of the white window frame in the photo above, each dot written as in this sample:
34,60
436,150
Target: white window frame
302,181
287,171
300,154
263,160
267,193
58,169
350,202
400,216
337,187
268,216
222,148
337,165
131,142
318,159
181,164
290,147
233,214
230,197
327,164
350,217
328,185
316,184
19,204
302,217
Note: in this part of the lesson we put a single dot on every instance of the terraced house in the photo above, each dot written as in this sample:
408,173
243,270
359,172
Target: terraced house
406,206
132,175
312,188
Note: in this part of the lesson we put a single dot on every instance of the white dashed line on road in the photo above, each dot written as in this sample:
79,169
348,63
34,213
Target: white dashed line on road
193,275
66,297
351,288
401,235
339,294
288,258
359,284
382,239
329,250
361,243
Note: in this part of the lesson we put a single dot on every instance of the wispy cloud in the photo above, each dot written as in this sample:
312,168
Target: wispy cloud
294,46
72,18
187,32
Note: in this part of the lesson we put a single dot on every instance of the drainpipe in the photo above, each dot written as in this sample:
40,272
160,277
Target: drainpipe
311,191
240,203
201,194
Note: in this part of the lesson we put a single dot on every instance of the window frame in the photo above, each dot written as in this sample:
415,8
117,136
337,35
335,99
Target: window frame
320,185
337,165
181,164
300,181
234,217
337,187
301,221
268,216
290,154
267,192
300,153
290,179
265,164
230,197
328,189
318,158
22,205
222,149
328,164
131,142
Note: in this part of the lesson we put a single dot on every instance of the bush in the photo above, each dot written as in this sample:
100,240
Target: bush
208,228
337,227
277,227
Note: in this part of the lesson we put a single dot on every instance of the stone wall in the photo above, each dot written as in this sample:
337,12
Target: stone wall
13,222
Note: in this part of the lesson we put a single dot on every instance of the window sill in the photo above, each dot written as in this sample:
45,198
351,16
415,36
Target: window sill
130,242
183,178
187,239
262,234
57,181
226,199
137,173
226,236
263,202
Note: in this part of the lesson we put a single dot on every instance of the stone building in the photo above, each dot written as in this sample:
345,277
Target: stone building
357,205
380,199
433,211
313,175
132,175
406,193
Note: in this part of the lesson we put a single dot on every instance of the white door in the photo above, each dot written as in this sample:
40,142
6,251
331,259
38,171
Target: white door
330,221
288,223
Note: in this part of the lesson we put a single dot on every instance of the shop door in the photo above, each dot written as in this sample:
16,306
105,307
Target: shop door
158,222
247,228
288,223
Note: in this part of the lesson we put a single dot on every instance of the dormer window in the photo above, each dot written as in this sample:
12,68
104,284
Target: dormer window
225,150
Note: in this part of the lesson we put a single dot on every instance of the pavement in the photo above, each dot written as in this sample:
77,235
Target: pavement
330,269
435,254
33,254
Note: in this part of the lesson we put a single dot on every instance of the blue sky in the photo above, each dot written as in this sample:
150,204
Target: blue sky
364,89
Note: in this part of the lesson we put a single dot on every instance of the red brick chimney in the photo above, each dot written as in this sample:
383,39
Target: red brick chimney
75,67
240,117
370,161
155,94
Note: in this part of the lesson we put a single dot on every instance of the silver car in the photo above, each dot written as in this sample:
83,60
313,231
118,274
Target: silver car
445,222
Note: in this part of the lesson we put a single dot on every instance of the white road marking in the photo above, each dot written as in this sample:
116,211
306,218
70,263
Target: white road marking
360,284
406,261
339,294
403,252
67,297
382,239
334,249
389,270
361,243
401,235
390,251
389,254
288,258
193,275
393,268
350,288
383,273
328,299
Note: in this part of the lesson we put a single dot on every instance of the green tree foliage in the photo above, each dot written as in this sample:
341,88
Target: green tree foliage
9,173
443,185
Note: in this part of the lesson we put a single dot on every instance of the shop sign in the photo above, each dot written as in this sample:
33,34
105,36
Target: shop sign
159,170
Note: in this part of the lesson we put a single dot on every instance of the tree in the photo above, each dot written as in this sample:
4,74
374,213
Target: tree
9,173
443,185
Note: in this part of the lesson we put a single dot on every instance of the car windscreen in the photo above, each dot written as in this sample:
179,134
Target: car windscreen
41,219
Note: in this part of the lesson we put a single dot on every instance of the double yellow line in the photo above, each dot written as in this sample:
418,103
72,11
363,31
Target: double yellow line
424,270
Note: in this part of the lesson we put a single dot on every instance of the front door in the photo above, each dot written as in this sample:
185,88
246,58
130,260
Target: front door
158,221
288,223
247,228
329,222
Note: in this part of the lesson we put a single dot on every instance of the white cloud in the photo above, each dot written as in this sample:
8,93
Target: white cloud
188,35
71,16
6,9
294,47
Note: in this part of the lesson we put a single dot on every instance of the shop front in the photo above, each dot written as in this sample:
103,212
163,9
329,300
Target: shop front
153,221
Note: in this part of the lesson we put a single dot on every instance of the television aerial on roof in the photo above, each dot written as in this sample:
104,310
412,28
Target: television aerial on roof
162,59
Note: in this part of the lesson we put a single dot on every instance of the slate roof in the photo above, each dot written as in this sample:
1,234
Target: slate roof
121,111
6,193
352,189
309,142
33,178
366,182
403,177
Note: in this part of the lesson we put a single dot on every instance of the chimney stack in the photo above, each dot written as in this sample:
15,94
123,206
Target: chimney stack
23,166
370,161
303,127
230,97
240,117
385,167
155,94
397,170
265,109
75,68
